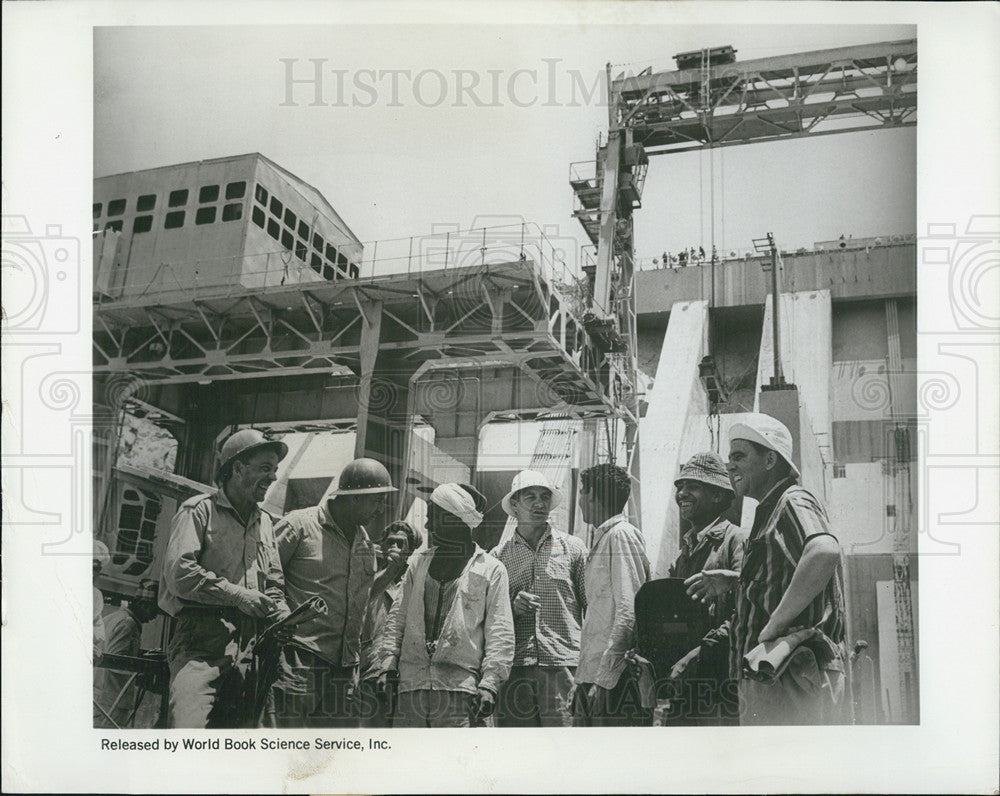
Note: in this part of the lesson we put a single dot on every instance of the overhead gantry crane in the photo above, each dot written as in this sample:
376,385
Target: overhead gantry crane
712,100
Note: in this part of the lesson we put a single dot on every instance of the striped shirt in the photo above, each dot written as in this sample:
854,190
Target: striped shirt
786,519
553,572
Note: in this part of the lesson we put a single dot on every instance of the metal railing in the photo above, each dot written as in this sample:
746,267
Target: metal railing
675,260
557,259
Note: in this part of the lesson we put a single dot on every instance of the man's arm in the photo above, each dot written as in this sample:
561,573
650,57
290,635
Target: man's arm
818,563
274,576
286,540
578,573
187,578
737,542
627,576
498,648
392,638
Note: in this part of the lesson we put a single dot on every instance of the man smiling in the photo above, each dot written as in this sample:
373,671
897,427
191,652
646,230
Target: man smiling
222,581
790,587
711,550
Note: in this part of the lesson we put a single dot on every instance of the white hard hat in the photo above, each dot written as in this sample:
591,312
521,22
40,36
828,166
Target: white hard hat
525,479
767,431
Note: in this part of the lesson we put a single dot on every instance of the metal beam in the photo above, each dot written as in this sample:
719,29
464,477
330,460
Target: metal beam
610,167
371,329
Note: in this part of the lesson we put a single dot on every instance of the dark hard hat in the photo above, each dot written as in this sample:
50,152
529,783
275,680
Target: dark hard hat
245,441
364,477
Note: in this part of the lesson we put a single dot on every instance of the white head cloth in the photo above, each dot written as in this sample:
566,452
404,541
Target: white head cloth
455,500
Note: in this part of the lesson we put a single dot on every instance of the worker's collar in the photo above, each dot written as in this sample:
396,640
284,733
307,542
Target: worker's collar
223,500
770,500
714,530
518,536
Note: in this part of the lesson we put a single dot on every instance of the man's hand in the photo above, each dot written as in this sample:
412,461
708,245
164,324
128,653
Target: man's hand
395,562
256,604
525,603
710,583
483,703
681,665
387,681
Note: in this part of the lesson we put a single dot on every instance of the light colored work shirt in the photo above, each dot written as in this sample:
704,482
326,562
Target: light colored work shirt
476,644
212,557
319,559
115,690
373,629
616,569
554,573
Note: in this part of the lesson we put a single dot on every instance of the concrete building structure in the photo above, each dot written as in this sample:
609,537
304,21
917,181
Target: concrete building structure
169,229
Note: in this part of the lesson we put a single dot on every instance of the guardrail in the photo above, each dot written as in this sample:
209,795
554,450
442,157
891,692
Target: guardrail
451,249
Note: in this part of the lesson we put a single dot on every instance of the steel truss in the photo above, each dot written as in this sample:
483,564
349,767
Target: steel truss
460,318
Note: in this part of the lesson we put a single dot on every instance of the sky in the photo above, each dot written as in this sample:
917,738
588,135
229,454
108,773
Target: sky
399,151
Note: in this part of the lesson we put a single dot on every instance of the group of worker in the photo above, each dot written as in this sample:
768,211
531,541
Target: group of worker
684,258
539,632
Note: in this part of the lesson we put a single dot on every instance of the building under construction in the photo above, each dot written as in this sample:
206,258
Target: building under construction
229,293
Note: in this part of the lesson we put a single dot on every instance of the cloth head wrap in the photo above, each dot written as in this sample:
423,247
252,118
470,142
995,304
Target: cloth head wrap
455,500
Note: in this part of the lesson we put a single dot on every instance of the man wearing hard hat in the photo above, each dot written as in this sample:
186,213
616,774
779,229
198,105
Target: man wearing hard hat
222,582
545,567
788,629
325,550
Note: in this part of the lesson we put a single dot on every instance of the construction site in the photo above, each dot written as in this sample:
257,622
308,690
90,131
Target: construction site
230,294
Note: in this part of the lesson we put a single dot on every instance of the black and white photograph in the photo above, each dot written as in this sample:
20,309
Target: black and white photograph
582,382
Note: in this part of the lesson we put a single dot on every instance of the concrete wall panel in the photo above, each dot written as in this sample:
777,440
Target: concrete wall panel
675,401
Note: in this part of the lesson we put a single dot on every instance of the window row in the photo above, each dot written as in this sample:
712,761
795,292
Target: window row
178,198
287,215
294,235
175,219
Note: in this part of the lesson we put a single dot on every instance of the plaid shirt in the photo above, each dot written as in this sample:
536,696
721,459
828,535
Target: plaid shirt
786,519
554,571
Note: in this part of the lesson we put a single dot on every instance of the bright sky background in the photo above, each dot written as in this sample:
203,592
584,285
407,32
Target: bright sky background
400,167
